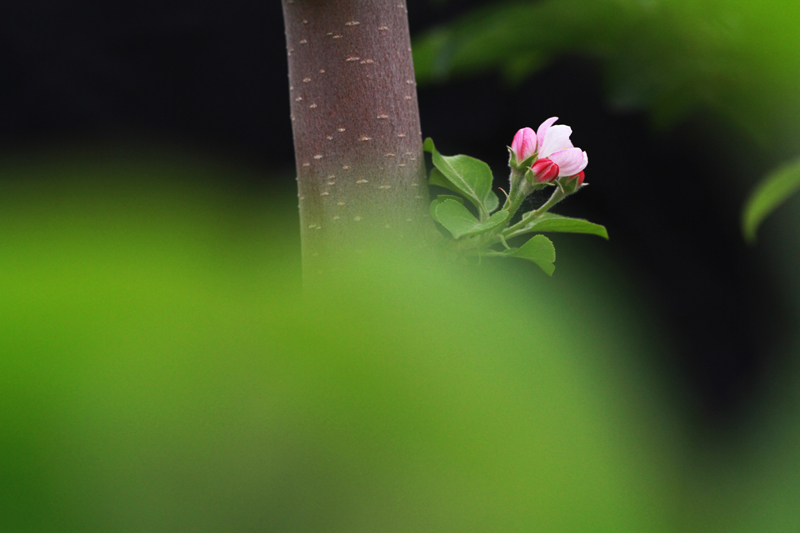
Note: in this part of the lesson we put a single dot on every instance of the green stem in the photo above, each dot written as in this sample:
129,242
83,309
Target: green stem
520,189
515,195
557,196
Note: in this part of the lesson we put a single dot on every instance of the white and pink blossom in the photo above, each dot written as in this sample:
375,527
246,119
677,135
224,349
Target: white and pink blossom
554,144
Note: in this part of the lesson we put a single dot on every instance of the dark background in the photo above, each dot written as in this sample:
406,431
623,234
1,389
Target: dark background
211,78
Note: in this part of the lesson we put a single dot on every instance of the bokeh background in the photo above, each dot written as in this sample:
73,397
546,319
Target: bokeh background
158,373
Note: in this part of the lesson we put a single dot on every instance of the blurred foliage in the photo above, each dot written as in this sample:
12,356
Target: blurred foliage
770,193
736,58
160,371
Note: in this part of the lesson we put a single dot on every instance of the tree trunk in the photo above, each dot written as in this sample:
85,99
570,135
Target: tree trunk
357,138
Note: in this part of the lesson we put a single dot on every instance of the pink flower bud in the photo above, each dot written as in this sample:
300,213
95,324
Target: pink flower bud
524,144
580,176
544,170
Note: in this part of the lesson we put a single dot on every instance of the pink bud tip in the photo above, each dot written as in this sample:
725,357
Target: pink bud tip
544,170
580,176
524,144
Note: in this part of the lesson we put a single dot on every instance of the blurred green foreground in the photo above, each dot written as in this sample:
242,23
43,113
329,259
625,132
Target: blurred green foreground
160,372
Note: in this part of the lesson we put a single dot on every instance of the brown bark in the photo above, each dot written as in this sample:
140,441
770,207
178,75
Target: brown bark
357,138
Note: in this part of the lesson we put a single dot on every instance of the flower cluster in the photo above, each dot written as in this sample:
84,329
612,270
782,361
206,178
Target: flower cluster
549,153
479,226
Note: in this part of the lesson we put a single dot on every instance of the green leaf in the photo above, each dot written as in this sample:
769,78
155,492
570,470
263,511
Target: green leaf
444,197
441,198
494,221
495,253
492,202
541,251
561,224
439,180
455,217
471,177
771,192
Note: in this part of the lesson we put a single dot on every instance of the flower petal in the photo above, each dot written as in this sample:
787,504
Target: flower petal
556,138
569,161
542,131
524,144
